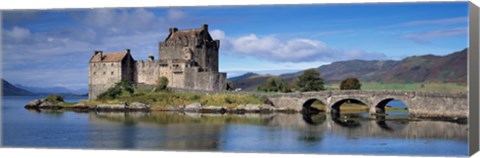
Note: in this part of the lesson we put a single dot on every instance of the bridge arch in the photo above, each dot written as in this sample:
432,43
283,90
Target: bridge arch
335,107
313,105
380,106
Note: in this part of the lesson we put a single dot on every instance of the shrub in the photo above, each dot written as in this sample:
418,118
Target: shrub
117,90
229,100
310,80
274,84
350,83
162,83
54,98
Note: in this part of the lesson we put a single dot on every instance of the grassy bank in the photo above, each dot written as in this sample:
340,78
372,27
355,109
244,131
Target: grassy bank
435,87
168,98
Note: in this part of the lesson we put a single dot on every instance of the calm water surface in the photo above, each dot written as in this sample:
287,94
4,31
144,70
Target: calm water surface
283,133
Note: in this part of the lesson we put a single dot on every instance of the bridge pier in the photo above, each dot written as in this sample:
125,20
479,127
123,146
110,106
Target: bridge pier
375,110
333,109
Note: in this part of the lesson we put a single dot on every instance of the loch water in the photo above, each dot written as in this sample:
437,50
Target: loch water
265,133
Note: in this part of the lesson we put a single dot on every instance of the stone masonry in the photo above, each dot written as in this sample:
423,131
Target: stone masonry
420,104
188,58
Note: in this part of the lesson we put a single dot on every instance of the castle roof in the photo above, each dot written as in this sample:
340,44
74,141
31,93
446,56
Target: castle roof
176,34
184,33
109,57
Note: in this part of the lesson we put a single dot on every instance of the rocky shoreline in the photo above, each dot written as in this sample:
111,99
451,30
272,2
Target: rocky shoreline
136,106
42,104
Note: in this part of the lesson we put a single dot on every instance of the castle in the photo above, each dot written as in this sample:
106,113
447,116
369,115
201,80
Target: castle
187,58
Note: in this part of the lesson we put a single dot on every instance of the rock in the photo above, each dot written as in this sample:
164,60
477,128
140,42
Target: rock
80,106
33,104
110,107
195,107
48,105
45,104
266,108
138,106
180,108
239,109
252,108
92,107
213,109
171,108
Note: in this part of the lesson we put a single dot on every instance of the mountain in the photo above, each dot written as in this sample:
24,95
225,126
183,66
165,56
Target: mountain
244,76
52,90
427,68
414,69
11,90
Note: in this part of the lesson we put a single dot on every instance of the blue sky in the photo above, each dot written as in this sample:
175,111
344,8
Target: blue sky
46,48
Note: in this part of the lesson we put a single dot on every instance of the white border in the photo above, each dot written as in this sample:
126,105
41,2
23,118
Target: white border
50,4
63,4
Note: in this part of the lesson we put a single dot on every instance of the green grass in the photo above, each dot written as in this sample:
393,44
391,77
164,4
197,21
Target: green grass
167,98
435,87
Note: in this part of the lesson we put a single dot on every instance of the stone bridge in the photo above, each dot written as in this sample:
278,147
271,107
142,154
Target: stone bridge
419,104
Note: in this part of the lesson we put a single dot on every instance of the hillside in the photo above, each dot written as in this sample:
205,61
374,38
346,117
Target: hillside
415,69
427,68
11,90
52,90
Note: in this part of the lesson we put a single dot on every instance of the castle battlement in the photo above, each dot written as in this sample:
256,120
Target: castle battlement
187,58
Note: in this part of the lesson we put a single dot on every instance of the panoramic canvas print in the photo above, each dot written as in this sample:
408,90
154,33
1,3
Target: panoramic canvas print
369,79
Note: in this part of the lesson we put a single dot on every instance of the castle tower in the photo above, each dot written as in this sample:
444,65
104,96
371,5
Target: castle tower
204,49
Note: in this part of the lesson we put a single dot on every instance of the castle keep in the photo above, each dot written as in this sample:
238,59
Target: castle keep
188,58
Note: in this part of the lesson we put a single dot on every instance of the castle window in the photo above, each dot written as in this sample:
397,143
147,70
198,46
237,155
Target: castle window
104,73
112,64
112,73
103,64
94,73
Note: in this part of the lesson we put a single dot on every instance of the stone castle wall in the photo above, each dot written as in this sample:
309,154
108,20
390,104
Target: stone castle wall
147,72
103,76
187,58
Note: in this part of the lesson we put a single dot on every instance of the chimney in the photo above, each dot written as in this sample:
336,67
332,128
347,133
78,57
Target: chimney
98,52
151,57
127,50
172,29
205,27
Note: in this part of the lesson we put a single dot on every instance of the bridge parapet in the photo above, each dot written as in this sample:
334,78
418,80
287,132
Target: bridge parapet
421,104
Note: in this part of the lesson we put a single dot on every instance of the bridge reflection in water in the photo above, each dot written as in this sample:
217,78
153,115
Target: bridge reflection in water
216,132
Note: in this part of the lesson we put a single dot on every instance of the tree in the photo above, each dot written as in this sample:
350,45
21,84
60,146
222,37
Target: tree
310,80
274,84
162,83
350,83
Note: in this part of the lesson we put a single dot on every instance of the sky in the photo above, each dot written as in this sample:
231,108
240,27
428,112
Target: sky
46,48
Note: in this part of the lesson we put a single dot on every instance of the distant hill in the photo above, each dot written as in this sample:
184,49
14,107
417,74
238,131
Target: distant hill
244,76
427,68
52,90
415,69
11,90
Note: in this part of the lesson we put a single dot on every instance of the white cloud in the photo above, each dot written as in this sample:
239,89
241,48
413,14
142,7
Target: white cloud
217,34
174,15
437,21
426,37
31,57
17,33
444,21
273,48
